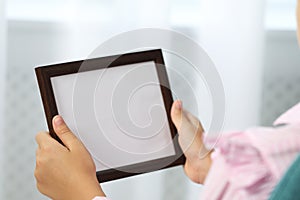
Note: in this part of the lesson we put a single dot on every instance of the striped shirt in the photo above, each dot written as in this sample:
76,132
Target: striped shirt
249,164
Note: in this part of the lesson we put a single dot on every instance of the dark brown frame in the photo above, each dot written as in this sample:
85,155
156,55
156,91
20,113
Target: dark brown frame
45,73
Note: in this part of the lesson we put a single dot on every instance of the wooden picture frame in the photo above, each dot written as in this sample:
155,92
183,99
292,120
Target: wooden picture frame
47,74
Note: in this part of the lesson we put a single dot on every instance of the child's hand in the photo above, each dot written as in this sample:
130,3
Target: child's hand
65,172
198,159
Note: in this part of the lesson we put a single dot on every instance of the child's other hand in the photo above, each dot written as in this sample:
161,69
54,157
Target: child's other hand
65,172
190,130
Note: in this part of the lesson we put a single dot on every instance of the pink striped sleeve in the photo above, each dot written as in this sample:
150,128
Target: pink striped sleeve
248,164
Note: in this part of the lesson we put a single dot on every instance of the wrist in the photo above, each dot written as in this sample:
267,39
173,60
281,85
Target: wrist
90,190
197,168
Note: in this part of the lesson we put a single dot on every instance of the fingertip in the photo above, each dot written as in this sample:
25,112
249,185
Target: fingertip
178,104
176,107
59,125
176,113
57,121
63,131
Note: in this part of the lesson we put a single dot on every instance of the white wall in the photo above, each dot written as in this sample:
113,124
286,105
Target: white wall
2,81
232,33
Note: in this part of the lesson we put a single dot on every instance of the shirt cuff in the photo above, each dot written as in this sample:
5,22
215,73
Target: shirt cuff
100,198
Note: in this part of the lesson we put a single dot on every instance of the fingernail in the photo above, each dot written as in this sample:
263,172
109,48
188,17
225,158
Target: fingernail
178,105
58,120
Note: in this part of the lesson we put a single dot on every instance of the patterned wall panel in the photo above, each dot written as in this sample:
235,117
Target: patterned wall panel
281,84
23,110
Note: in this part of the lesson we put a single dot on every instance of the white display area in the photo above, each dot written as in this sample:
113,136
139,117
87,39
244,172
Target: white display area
118,113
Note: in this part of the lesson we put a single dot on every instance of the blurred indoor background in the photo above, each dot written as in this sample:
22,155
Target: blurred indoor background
252,42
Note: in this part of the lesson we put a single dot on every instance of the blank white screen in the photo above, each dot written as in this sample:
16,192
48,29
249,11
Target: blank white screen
118,113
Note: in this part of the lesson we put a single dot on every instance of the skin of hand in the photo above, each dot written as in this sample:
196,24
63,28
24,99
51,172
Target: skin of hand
198,159
65,172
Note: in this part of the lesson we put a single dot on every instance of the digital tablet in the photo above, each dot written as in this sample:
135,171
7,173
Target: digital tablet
119,107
